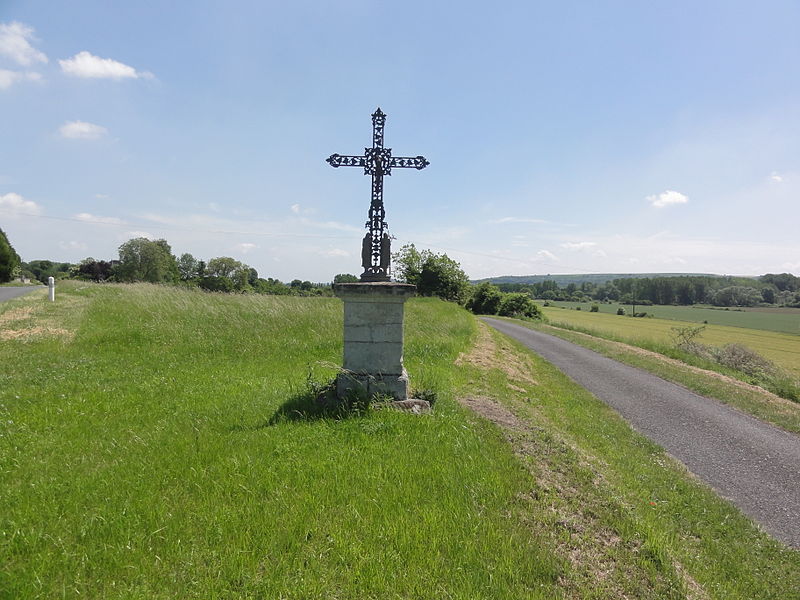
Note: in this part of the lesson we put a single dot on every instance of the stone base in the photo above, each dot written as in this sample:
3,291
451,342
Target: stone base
373,339
394,386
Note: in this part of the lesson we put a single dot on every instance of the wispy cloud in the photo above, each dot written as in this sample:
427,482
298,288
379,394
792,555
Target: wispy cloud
334,252
72,245
776,177
137,234
89,218
246,247
667,198
88,66
15,43
81,130
14,204
515,220
9,78
544,255
578,245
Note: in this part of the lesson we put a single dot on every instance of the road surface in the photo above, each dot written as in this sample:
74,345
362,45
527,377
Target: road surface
7,293
751,463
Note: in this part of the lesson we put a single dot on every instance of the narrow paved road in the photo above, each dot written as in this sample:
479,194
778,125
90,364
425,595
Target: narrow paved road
754,465
7,293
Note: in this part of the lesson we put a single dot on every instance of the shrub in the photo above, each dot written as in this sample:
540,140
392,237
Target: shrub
485,299
742,358
594,308
621,311
519,305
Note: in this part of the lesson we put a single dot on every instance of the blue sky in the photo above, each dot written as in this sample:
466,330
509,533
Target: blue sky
568,137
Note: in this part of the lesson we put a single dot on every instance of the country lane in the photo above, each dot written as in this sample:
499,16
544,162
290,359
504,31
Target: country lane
751,463
7,293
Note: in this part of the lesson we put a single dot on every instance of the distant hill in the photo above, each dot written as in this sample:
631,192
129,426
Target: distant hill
596,278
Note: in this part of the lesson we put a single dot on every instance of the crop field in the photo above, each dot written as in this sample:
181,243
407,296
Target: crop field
782,348
783,320
157,443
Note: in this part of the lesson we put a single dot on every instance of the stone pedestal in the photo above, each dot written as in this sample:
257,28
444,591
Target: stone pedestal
373,338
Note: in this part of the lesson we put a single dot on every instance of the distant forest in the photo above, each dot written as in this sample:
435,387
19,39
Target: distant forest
773,289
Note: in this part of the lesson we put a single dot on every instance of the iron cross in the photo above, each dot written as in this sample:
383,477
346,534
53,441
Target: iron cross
377,161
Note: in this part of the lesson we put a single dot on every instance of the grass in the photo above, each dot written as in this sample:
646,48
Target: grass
162,443
781,348
779,319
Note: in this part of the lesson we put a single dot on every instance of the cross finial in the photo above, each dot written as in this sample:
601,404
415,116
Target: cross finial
377,161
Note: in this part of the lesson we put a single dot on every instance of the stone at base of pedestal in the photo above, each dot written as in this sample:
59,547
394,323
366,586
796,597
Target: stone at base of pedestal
394,386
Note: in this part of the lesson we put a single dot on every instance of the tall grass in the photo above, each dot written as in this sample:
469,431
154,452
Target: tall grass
139,461
154,444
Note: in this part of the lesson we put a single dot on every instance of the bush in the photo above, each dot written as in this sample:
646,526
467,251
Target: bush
485,299
621,311
519,305
594,308
742,358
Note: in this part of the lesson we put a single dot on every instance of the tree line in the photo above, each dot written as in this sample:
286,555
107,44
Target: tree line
777,289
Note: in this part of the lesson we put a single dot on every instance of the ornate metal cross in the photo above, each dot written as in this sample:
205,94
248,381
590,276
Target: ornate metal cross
377,161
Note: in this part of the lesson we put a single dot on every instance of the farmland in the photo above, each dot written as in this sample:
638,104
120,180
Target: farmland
781,348
782,320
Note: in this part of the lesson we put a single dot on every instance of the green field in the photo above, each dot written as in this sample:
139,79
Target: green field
781,348
782,320
165,443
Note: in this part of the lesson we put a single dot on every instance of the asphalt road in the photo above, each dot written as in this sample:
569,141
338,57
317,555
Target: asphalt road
7,293
754,465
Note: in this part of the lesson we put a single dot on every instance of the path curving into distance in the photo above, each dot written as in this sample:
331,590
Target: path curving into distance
751,463
7,293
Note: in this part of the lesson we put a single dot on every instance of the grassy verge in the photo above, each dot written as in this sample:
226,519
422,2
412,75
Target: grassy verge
605,483
703,378
147,450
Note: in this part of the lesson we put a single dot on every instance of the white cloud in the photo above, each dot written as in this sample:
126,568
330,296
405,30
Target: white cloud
14,204
246,247
334,252
15,44
578,245
515,220
81,130
89,218
9,78
72,245
102,196
138,234
544,255
667,198
87,65
776,177
295,208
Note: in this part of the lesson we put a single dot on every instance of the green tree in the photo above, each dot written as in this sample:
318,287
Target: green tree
188,267
407,263
345,278
485,299
9,259
237,272
141,259
433,274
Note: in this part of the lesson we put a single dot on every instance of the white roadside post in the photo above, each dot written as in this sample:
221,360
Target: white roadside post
51,284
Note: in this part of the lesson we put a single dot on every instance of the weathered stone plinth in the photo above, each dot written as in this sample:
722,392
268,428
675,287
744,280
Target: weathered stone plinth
373,338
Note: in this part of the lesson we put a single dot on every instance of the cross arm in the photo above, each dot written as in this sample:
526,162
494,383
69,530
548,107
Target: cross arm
407,162
339,160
